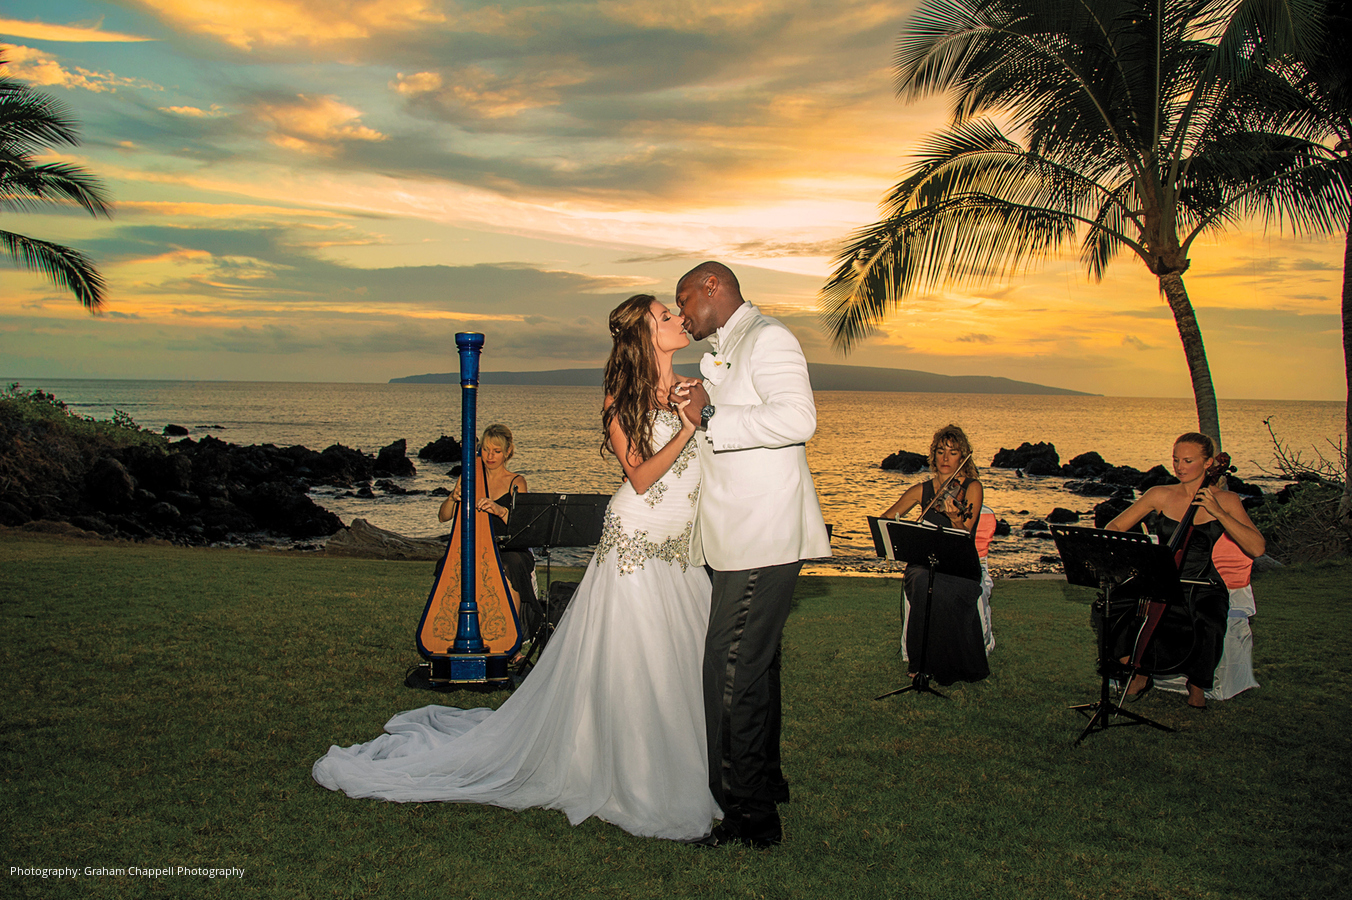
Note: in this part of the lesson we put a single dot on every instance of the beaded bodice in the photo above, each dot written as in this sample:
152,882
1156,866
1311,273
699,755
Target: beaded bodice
655,525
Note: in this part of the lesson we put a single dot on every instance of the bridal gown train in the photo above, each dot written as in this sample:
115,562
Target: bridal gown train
610,722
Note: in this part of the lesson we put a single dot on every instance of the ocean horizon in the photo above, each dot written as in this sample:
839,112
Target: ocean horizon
558,441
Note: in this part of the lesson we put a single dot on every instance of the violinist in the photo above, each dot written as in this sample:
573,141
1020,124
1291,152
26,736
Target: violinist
951,497
1218,513
496,448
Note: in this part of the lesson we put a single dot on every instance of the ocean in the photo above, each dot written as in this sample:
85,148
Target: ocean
557,436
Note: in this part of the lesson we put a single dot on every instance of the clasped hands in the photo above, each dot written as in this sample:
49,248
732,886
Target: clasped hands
687,398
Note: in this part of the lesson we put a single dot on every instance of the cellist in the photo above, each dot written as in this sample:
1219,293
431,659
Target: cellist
1219,515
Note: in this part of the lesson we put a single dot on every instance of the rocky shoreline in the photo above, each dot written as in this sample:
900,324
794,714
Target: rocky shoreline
121,482
63,474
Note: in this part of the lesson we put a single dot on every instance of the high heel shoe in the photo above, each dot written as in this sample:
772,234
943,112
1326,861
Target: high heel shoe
1145,689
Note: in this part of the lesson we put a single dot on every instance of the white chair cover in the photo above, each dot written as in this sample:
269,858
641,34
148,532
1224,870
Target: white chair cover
1234,673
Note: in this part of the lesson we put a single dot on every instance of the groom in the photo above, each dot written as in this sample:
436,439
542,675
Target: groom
758,519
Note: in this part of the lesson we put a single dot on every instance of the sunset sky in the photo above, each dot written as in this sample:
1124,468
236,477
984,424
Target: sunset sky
329,190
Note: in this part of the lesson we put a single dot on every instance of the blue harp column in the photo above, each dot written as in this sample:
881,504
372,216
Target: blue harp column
467,636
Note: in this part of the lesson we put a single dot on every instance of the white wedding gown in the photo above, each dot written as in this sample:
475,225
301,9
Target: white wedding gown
610,723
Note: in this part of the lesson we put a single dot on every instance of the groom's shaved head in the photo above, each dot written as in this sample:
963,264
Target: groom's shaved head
707,296
721,272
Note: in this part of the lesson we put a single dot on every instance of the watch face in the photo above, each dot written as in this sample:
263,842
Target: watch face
707,411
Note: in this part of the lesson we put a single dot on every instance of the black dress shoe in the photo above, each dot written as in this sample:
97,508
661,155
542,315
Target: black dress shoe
724,833
708,842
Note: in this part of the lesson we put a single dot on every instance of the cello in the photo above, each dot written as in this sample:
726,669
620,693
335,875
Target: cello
1158,654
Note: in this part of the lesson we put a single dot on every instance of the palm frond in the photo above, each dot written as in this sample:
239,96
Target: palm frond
31,122
67,268
26,187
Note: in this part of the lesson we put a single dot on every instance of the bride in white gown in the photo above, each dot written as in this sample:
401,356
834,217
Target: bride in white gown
610,722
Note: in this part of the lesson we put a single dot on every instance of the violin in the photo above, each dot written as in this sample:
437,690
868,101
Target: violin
1151,654
951,488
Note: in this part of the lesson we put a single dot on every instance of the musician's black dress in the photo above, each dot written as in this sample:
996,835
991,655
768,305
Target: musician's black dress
957,650
1190,635
519,565
1207,606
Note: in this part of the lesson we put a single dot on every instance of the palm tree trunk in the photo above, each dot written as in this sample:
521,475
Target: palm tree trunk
1345,505
1203,392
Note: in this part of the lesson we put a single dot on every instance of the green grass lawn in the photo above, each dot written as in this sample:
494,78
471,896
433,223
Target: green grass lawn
162,708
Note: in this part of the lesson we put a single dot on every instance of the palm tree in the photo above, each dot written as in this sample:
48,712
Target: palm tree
29,123
1308,93
1127,133
1325,83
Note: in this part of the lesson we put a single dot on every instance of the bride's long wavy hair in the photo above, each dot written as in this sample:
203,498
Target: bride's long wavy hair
631,375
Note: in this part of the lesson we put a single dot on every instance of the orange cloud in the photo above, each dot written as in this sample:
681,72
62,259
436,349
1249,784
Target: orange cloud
251,24
179,209
313,124
41,31
420,83
489,95
36,67
194,112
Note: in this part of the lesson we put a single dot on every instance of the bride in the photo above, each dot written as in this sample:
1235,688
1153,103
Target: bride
610,722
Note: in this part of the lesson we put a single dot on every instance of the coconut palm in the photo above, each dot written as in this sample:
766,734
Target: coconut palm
1324,84
1307,92
31,122
1119,125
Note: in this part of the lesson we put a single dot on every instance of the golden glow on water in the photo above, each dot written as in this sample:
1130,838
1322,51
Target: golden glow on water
556,430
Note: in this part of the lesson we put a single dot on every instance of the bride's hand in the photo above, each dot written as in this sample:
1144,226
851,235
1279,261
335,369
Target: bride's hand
687,426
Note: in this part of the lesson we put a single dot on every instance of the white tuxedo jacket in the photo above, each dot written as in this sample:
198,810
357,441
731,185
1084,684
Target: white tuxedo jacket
757,504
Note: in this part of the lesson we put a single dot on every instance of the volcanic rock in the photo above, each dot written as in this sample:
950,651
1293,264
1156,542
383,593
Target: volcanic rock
905,462
1025,455
393,460
109,485
443,450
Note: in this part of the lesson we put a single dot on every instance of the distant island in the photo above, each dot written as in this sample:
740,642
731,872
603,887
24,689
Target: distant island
824,378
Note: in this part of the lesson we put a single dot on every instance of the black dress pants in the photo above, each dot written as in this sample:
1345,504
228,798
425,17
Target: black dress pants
742,696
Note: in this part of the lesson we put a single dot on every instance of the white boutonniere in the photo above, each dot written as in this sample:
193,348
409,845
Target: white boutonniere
712,368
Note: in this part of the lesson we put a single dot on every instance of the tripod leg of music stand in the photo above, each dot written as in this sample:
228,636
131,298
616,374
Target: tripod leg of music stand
921,682
1104,709
923,674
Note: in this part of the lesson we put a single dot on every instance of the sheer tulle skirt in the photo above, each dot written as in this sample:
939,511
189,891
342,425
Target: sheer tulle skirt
610,723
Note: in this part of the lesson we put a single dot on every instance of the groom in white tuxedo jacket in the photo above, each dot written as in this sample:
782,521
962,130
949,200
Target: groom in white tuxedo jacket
758,519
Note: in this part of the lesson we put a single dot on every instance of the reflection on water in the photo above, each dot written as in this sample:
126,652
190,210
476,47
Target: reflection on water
557,433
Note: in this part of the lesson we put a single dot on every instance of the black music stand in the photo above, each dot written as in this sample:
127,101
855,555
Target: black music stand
1101,559
547,521
949,551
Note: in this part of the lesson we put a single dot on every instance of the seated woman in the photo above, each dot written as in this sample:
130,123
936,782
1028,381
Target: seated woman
1219,514
496,448
956,648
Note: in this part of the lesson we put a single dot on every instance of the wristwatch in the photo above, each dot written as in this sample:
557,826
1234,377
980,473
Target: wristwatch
705,414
